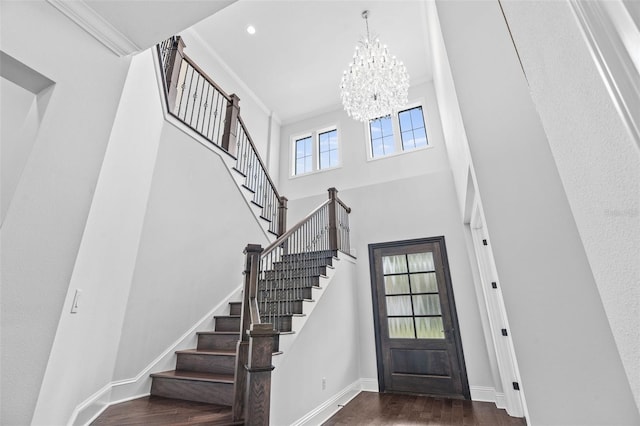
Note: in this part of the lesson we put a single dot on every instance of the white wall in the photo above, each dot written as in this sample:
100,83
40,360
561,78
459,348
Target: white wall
570,367
105,262
452,125
254,113
414,207
597,159
327,347
355,170
20,122
43,226
403,197
196,227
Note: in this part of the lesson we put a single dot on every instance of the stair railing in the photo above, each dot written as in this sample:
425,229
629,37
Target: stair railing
196,100
284,268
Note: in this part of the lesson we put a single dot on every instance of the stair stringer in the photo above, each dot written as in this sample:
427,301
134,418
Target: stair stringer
228,160
320,364
298,322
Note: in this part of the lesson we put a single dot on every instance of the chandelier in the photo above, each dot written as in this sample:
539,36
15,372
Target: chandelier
375,84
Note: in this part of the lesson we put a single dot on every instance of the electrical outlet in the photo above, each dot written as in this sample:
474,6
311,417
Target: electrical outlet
324,383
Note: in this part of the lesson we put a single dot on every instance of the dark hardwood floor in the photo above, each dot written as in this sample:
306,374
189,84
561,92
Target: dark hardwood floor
156,410
370,408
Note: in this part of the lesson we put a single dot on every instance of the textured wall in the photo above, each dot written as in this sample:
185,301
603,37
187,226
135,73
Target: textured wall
597,159
43,226
556,315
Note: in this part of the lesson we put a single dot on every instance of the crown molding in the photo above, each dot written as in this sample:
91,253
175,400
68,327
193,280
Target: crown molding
93,23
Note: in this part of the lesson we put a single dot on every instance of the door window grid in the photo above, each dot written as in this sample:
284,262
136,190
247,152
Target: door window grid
412,298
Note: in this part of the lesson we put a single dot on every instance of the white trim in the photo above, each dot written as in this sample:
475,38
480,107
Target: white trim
139,386
93,23
513,401
324,411
369,385
487,394
397,137
608,30
315,150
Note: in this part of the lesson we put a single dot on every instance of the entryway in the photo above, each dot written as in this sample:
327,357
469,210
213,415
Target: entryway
417,340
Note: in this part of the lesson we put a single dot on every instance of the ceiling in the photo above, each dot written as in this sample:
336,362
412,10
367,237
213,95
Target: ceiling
295,60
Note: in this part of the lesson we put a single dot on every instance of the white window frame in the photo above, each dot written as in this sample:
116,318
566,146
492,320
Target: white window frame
294,142
315,140
397,137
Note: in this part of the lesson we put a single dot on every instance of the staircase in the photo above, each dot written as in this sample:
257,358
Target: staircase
231,365
206,373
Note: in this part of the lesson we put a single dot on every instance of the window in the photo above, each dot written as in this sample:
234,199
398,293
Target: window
395,134
412,131
382,136
304,155
328,146
315,151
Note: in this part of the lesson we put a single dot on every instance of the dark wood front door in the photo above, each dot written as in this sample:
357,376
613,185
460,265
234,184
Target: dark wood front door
418,345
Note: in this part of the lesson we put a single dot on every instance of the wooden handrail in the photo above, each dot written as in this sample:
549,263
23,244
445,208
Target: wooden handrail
253,145
282,238
253,361
205,76
196,100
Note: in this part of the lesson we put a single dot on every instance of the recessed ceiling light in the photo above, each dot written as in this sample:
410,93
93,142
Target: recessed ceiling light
251,29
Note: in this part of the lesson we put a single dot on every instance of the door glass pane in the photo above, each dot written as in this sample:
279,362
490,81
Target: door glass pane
398,305
401,328
426,304
394,284
429,328
424,283
421,262
394,264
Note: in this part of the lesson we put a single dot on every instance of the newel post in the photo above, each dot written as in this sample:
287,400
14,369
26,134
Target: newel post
174,61
252,261
333,222
230,137
259,367
282,215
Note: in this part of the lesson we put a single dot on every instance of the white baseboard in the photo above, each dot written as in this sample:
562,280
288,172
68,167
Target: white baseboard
487,394
369,385
140,385
324,411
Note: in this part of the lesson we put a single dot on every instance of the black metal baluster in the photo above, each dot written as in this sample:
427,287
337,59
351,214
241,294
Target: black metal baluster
183,89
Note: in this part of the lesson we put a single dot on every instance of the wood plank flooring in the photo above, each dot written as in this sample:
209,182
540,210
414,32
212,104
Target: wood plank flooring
368,408
382,409
156,410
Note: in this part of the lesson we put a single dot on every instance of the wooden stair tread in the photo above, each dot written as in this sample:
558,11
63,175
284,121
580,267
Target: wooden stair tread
223,333
195,375
222,352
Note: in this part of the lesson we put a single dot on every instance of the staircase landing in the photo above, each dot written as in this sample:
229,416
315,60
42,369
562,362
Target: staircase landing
156,410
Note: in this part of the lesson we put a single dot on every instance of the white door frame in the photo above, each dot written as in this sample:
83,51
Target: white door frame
492,296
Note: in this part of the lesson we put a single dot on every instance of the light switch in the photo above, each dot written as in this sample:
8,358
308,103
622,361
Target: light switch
76,301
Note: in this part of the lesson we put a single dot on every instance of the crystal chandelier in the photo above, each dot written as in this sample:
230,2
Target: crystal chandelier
375,85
